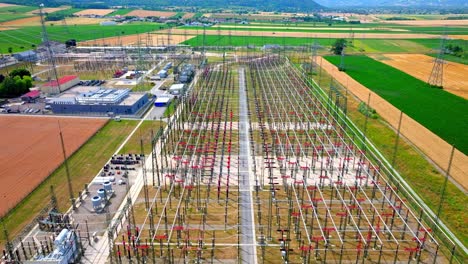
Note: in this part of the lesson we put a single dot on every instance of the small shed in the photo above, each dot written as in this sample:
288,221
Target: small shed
31,96
162,101
177,89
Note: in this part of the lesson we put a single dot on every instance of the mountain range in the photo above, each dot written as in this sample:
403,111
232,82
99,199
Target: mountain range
393,3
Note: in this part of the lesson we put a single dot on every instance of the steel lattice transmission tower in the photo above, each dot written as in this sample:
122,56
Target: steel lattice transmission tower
437,74
45,40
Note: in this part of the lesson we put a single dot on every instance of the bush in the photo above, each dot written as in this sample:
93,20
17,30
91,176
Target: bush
367,111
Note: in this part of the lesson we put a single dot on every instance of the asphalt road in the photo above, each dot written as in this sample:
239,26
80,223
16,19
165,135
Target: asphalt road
247,228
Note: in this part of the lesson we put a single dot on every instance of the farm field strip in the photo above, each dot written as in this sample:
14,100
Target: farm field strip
431,144
420,66
438,110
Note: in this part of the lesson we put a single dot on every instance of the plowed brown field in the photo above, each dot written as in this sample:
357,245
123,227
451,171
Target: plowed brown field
433,146
420,66
31,150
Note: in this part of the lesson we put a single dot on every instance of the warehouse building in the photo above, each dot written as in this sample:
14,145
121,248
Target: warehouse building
64,83
89,100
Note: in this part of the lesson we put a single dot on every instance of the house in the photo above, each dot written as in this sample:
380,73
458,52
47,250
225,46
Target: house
64,83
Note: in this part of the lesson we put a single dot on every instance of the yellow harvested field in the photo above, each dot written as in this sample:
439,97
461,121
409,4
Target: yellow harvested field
49,10
149,13
465,37
132,40
312,28
188,15
429,22
420,66
357,35
97,12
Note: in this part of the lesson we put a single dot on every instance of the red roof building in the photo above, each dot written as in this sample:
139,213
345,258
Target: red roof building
64,83
31,96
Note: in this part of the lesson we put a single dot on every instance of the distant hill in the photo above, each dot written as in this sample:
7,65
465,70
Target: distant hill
393,3
269,5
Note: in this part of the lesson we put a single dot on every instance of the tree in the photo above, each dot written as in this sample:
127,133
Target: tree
2,77
338,46
10,50
19,72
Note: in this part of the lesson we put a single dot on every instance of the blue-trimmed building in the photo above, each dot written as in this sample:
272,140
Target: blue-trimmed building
82,100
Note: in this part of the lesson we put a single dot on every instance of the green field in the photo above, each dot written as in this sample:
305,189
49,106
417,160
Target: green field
27,36
441,112
358,45
9,13
121,12
335,28
17,9
212,40
4,17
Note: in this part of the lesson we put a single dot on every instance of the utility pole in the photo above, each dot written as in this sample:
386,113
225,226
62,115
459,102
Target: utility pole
67,170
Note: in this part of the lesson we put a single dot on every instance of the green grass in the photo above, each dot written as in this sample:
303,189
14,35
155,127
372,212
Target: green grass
171,108
84,164
441,112
17,9
142,87
4,17
121,12
413,167
197,15
27,36
178,15
143,133
359,45
452,58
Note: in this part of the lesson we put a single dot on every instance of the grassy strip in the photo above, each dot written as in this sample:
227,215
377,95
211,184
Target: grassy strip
17,9
142,87
171,108
452,58
143,133
441,112
413,167
27,36
121,12
84,164
9,17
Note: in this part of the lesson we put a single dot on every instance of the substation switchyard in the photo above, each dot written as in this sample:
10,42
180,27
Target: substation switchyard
256,168
256,165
